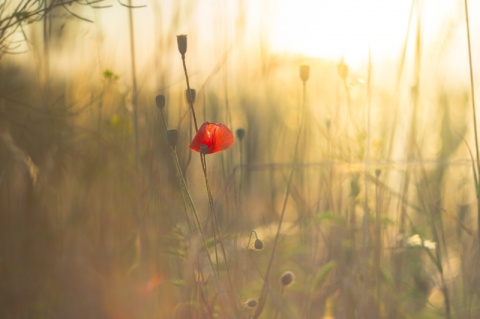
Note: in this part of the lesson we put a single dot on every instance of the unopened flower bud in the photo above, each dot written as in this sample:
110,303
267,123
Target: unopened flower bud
160,101
172,137
240,133
190,95
182,43
304,72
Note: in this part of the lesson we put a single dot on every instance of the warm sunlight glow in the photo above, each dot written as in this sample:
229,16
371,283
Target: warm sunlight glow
342,28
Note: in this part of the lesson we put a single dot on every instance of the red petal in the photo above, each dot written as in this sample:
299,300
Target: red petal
215,136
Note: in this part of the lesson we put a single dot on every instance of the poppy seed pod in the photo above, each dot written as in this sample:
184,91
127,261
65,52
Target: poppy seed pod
182,44
252,303
172,137
287,278
190,95
258,244
160,101
304,72
240,133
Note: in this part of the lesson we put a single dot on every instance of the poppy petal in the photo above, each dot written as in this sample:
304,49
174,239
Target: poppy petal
215,137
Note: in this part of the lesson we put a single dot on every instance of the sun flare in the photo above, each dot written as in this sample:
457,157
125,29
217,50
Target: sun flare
335,29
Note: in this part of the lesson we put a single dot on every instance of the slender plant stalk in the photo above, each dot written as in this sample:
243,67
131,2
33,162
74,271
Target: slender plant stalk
46,54
179,173
216,228
378,235
189,92
366,209
474,115
263,294
192,206
143,246
134,84
215,221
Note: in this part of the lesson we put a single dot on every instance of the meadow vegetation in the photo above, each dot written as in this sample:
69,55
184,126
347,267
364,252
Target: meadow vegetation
347,193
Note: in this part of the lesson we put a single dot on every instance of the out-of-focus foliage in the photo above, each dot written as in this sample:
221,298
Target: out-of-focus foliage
14,14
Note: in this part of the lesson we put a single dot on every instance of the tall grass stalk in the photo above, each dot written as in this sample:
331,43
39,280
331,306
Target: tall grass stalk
134,84
474,115
398,260
263,294
366,229
438,234
46,55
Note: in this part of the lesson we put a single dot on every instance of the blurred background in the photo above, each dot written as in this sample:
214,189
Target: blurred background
382,217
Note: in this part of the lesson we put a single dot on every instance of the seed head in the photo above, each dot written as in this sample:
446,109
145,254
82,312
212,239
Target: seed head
304,72
258,244
182,44
192,95
172,137
160,101
251,303
287,278
240,133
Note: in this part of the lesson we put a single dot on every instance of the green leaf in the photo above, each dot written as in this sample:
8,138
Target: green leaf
323,274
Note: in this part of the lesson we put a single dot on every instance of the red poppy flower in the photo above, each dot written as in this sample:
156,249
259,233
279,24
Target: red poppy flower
215,137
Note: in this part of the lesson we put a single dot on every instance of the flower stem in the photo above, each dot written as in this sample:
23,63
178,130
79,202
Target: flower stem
190,201
216,228
189,92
